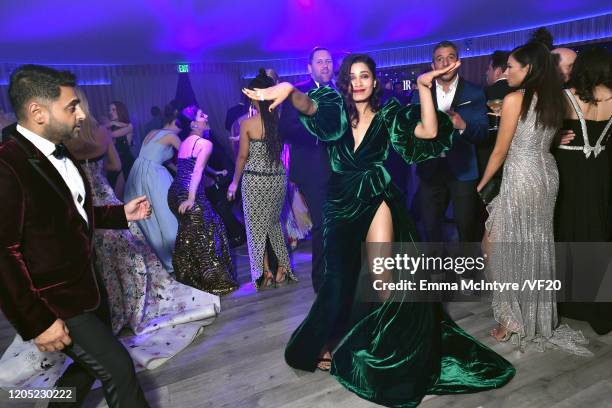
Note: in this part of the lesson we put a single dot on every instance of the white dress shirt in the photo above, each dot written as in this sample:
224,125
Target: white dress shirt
65,167
330,83
445,99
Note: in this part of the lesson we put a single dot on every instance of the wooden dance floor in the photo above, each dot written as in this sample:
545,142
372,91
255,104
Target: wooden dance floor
238,360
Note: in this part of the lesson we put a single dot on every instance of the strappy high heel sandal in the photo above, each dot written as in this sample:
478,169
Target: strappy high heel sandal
324,361
284,278
494,333
267,281
324,367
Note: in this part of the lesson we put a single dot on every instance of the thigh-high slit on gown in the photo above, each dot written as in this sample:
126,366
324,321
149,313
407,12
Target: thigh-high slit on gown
401,351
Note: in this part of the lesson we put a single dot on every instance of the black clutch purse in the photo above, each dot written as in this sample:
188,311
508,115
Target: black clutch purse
490,190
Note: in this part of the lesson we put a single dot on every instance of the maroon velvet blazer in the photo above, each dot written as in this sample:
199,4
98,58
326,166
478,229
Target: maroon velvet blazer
45,245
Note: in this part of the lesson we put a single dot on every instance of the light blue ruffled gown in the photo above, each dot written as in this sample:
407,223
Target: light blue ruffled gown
150,178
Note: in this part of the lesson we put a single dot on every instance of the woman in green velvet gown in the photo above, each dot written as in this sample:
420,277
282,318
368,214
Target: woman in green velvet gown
402,350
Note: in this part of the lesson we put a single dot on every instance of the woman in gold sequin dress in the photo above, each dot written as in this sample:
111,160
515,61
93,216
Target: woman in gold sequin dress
201,255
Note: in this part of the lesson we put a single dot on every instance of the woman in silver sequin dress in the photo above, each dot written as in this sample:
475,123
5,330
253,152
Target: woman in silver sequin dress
519,236
264,186
201,255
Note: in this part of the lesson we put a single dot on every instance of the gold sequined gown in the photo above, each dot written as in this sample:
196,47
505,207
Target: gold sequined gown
201,255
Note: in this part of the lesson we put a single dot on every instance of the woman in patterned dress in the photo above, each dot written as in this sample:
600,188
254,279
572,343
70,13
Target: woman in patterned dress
264,185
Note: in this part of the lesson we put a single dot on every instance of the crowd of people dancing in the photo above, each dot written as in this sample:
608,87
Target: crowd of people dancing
78,265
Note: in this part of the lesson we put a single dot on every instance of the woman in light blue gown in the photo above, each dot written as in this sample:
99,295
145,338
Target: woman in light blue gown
149,177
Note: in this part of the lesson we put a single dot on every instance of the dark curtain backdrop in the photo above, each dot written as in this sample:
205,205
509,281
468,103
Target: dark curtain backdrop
572,32
217,85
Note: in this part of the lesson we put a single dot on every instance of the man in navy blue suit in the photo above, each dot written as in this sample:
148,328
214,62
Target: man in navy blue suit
309,165
454,175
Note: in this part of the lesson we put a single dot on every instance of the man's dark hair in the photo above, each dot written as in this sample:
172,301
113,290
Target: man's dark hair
446,44
315,49
36,81
155,111
499,59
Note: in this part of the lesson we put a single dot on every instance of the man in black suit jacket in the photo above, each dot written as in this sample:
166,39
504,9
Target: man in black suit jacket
454,175
235,112
218,162
309,166
497,84
497,88
48,289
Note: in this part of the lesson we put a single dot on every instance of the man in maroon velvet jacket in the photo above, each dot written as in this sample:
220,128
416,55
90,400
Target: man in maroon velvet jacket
48,290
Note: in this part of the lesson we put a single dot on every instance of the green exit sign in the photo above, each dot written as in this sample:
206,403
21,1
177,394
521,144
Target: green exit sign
183,68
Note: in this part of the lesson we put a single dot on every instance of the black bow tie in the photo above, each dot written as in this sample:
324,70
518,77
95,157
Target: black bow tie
60,151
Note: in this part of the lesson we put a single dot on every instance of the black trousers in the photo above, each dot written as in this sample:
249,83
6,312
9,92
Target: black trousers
97,354
314,195
435,194
218,199
310,171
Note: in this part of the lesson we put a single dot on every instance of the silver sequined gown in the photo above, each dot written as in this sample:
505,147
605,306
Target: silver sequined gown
520,230
264,185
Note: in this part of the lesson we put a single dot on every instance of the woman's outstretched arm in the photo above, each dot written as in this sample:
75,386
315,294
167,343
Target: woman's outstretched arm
279,93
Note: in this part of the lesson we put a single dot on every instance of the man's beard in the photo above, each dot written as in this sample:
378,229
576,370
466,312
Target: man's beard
324,78
60,132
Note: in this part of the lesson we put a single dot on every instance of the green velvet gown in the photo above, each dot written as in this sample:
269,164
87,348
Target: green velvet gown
400,351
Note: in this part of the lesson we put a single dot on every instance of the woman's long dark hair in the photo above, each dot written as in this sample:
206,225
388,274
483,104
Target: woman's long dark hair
122,112
543,80
269,120
345,87
592,68
184,117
